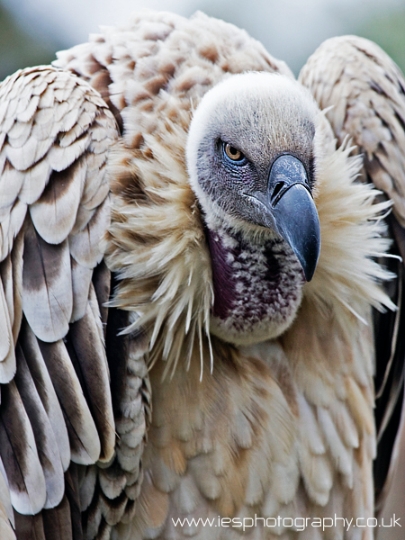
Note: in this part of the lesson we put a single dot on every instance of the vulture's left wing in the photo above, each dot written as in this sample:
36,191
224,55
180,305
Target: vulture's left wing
364,92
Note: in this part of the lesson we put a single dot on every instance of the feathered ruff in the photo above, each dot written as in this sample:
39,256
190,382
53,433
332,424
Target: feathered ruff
353,235
157,246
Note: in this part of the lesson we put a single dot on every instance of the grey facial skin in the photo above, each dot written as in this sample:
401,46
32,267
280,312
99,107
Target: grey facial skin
261,221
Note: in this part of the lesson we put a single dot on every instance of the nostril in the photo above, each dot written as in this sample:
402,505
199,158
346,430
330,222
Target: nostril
276,191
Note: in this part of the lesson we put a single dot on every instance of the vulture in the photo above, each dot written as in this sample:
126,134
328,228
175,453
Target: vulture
201,288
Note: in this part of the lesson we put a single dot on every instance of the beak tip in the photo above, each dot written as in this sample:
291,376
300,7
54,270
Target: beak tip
300,227
309,267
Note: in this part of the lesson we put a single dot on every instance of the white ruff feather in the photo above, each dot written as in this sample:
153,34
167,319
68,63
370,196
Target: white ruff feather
156,244
353,235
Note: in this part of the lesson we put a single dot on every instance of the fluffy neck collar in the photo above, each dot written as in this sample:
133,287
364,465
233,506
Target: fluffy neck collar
157,246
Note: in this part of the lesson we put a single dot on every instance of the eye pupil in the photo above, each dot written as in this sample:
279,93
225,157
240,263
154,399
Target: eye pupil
233,153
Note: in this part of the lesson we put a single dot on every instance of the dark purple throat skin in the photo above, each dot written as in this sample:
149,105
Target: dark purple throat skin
257,285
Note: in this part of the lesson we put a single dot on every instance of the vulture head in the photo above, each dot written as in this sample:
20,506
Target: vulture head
251,155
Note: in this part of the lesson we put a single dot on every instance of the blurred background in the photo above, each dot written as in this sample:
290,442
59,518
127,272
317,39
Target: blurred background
32,30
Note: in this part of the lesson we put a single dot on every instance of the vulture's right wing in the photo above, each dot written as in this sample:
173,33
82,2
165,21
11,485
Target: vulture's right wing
364,92
56,409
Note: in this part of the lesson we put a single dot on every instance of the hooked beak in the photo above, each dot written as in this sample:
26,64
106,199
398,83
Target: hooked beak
291,210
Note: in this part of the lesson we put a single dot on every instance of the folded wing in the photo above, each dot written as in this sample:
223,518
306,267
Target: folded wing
56,407
363,92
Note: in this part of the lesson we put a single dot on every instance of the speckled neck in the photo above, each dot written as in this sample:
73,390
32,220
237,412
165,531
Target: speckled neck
257,286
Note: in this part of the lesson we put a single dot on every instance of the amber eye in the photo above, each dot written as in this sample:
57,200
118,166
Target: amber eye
233,153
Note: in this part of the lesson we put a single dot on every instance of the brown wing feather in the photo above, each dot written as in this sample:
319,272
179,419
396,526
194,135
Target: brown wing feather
55,134
365,93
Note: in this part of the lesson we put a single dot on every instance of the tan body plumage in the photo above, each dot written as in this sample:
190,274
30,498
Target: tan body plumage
203,428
